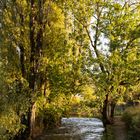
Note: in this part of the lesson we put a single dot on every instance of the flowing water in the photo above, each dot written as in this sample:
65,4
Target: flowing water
76,129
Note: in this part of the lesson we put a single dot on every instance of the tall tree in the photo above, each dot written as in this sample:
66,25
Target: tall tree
110,37
33,45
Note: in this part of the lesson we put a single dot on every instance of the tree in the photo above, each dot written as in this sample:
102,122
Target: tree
33,45
110,67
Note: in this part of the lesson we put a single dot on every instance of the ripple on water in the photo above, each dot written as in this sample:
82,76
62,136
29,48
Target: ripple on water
77,129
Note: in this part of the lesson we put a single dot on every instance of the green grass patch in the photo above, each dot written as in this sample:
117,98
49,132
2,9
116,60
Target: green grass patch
108,134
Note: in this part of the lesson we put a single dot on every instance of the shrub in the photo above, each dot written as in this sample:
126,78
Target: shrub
132,118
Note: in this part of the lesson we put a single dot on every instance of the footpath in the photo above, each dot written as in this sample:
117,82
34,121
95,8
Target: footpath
119,129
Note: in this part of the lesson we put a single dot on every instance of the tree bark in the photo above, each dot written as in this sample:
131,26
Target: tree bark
32,120
113,104
105,112
32,73
36,44
21,47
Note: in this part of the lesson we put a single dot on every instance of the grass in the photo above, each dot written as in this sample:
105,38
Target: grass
108,134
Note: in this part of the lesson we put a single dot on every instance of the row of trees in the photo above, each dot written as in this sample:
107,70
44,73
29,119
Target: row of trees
51,50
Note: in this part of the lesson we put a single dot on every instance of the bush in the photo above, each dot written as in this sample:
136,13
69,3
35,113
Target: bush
132,118
10,125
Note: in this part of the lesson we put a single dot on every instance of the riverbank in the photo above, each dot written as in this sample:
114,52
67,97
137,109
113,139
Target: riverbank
117,131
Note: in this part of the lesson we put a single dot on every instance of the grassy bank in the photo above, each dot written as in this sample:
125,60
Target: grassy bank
108,134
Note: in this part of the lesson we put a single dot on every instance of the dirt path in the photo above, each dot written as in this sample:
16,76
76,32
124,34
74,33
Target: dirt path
119,129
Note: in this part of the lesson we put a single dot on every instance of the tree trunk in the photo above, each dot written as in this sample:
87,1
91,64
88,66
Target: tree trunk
113,104
32,74
36,44
105,111
32,120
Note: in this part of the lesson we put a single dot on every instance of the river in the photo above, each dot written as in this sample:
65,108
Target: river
76,129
